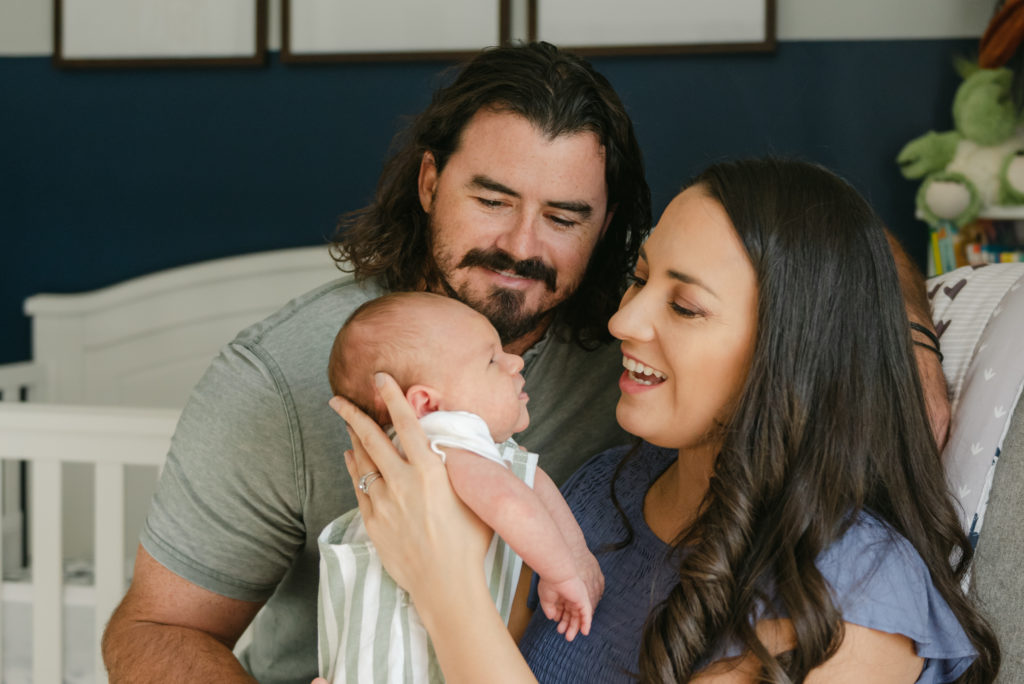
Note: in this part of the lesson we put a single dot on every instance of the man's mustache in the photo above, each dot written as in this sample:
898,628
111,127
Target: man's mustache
497,260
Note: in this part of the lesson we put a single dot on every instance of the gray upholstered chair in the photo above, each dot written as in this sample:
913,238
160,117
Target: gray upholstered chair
979,313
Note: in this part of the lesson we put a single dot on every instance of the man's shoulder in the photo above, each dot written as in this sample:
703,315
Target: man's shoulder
323,308
292,345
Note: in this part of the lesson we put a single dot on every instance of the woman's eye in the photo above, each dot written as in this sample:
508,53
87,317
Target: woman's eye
633,280
683,311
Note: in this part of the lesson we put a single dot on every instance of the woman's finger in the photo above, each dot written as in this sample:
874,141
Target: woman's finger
376,450
364,462
362,499
407,425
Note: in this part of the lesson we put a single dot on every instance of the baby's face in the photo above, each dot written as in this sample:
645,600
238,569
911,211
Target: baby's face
479,376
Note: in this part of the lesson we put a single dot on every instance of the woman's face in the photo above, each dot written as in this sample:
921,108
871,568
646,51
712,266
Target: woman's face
687,325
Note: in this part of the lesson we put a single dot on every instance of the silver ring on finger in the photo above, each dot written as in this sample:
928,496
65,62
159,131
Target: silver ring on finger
368,479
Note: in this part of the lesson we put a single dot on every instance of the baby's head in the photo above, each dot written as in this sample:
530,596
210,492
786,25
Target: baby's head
444,355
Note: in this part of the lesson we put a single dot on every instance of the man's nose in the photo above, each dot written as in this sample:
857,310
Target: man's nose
520,240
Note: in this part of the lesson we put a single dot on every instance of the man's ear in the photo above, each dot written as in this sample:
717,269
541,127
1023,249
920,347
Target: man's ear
423,399
427,182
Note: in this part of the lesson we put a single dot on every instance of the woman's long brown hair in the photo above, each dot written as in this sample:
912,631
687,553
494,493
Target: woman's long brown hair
831,423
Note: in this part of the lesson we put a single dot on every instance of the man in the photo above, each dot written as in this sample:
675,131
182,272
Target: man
520,190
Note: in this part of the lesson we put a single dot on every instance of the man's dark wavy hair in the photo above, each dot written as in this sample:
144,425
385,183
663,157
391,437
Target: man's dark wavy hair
560,94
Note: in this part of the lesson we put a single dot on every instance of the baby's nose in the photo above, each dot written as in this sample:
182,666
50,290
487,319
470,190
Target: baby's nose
514,363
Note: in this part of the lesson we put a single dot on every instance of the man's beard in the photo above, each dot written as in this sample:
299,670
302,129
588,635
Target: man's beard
504,308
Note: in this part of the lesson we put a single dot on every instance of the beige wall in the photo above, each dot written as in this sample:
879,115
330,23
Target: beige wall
26,25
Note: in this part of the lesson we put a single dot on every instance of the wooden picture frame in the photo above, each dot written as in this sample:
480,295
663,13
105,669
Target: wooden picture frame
158,33
356,31
653,27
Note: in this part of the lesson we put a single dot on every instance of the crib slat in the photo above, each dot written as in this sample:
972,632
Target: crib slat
3,475
109,566
47,573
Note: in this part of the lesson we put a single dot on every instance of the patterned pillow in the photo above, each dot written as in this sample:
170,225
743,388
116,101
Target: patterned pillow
979,317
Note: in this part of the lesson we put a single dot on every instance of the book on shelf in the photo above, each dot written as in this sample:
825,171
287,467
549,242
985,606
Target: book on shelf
992,238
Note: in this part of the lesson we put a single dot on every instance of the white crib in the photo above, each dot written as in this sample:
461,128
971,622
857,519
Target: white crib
85,426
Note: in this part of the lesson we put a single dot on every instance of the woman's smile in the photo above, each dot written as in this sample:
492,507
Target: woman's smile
638,376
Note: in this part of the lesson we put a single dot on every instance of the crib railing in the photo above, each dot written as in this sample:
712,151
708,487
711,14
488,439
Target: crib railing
20,382
46,436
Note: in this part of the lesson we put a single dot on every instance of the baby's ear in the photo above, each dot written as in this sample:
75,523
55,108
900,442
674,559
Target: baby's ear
423,399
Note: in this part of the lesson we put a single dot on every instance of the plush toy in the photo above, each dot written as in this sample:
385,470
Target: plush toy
976,166
980,164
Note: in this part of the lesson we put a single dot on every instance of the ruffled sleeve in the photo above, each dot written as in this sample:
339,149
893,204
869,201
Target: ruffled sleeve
880,582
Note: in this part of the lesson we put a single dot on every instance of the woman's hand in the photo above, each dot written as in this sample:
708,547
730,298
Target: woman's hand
426,537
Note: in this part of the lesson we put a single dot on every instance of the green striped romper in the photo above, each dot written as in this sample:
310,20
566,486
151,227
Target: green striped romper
369,631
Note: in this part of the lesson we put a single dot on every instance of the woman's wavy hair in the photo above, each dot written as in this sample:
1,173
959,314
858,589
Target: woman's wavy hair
831,422
560,94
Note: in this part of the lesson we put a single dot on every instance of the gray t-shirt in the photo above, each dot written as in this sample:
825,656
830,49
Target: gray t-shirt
255,470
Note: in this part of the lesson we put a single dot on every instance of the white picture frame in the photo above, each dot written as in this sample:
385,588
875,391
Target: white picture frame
609,27
356,30
146,33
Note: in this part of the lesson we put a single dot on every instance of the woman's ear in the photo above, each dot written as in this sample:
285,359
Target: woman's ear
427,182
423,399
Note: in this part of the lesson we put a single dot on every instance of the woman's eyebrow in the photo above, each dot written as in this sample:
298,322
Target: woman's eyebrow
690,280
682,277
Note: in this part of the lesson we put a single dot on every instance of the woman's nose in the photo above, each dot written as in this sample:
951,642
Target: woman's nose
632,320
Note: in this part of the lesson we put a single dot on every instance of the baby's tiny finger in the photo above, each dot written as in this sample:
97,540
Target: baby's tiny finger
563,623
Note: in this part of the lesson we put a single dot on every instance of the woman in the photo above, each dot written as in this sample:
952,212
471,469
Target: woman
785,517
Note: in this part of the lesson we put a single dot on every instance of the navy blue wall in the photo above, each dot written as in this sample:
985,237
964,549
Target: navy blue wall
106,175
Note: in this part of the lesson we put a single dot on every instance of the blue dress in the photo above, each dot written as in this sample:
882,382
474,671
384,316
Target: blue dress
878,580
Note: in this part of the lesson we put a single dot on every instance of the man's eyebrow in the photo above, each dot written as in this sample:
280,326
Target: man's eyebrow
683,277
582,208
487,183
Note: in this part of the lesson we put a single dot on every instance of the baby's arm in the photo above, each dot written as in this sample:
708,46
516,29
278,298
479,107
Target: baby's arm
586,564
520,517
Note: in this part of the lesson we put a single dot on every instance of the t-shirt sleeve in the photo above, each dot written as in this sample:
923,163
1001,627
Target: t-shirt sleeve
227,512
879,581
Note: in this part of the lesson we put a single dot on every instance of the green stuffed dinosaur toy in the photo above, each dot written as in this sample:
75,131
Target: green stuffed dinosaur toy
978,165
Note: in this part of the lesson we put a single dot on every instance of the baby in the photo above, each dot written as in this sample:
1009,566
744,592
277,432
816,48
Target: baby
469,396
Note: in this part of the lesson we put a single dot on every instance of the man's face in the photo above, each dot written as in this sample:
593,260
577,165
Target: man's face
514,219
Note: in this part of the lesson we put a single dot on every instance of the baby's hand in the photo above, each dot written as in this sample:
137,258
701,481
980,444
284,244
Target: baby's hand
567,603
590,572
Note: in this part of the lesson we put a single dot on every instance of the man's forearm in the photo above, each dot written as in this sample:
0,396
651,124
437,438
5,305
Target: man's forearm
140,652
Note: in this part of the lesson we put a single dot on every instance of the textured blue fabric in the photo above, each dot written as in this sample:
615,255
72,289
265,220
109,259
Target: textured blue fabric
878,581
